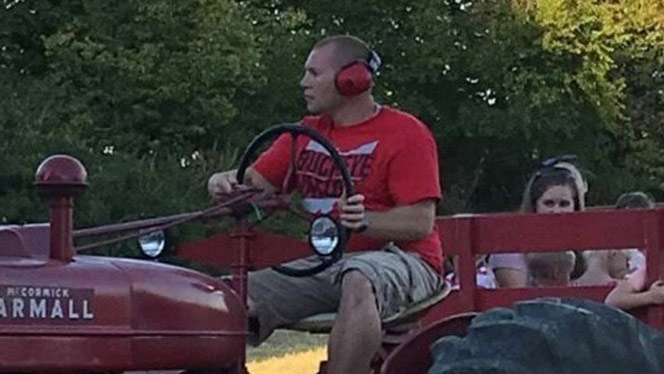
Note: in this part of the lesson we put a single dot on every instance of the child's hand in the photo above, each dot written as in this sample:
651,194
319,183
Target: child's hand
656,292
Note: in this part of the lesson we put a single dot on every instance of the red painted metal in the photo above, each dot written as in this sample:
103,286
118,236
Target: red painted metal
61,178
467,236
61,224
414,355
241,269
65,312
114,314
651,233
62,170
36,238
500,233
263,250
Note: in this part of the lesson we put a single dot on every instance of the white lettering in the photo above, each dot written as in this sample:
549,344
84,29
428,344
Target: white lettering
72,314
87,314
56,312
35,303
37,310
17,308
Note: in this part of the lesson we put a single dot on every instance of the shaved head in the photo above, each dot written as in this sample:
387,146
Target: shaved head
346,49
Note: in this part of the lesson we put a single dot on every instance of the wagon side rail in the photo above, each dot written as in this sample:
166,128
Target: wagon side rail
467,236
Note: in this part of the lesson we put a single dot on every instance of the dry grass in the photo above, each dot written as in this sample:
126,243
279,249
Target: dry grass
304,362
283,342
289,352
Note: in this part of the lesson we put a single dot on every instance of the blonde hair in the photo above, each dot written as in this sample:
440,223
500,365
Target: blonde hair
348,48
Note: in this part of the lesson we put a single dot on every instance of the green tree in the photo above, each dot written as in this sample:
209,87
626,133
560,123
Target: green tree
620,46
156,75
147,95
502,83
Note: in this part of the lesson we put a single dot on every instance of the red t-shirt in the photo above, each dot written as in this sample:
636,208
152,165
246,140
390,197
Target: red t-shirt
392,160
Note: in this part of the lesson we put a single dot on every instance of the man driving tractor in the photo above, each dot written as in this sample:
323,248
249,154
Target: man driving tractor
395,258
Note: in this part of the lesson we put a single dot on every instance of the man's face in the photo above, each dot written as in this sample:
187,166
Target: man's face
320,92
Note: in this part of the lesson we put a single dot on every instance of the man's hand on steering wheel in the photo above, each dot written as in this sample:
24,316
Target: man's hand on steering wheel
353,214
222,183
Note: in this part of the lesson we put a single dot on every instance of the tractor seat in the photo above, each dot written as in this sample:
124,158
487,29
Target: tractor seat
322,323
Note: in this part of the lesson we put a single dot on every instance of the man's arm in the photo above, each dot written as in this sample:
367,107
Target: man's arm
406,222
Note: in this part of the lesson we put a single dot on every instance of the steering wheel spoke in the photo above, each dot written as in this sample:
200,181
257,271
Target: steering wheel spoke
295,131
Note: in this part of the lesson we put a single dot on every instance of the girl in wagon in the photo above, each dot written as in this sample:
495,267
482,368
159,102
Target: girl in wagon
557,187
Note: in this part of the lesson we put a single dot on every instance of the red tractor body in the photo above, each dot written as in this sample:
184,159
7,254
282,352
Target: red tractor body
102,314
65,312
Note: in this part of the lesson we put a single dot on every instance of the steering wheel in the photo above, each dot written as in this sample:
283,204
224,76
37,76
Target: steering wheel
296,130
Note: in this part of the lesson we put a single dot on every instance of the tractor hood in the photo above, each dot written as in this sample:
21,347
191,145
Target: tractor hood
99,313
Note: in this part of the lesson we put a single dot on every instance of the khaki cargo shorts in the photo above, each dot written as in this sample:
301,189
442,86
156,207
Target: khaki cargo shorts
398,278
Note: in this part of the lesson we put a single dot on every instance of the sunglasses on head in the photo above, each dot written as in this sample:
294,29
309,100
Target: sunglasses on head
550,165
549,162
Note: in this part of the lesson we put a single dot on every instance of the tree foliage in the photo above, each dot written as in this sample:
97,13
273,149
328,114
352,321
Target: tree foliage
119,83
154,96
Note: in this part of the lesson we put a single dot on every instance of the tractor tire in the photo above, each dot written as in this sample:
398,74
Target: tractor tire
552,336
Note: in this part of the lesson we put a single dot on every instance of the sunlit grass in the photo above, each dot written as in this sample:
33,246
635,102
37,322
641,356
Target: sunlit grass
288,352
304,362
283,342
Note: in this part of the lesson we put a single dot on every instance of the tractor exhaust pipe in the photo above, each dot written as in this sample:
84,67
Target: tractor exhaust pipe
60,178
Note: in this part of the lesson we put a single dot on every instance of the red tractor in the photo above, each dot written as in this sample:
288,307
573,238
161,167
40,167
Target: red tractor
63,312
66,312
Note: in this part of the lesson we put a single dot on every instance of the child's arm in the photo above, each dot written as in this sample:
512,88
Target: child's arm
629,293
510,269
510,278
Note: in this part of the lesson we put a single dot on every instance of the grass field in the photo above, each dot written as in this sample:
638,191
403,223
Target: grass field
304,362
288,352
283,342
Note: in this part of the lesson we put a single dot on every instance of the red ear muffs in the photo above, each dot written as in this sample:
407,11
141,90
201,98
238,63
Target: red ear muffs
353,79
